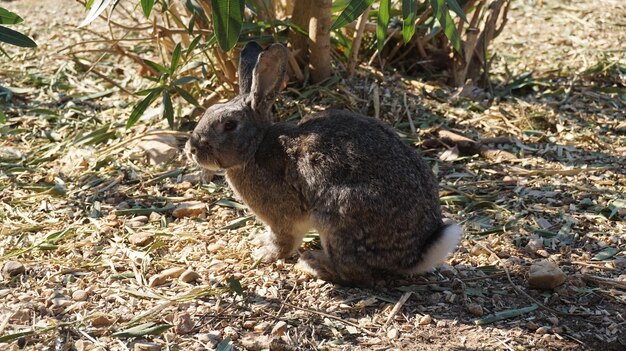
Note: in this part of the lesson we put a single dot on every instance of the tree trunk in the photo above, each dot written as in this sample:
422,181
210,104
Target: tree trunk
319,33
299,42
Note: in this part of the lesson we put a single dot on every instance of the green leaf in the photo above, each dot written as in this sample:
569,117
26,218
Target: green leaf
192,23
382,23
9,337
155,66
185,95
175,59
235,285
192,46
454,6
237,223
141,107
354,9
231,204
8,17
195,8
227,21
142,329
225,345
409,15
12,37
505,315
3,118
184,80
339,5
146,6
168,111
442,14
605,254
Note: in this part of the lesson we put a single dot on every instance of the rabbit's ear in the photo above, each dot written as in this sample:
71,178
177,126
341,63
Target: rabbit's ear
267,78
247,59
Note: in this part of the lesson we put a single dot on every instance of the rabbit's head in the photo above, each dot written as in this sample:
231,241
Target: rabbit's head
229,134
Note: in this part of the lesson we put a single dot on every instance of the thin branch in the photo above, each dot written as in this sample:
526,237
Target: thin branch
356,40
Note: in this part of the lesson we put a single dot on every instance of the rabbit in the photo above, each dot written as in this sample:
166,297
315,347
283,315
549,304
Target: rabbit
373,200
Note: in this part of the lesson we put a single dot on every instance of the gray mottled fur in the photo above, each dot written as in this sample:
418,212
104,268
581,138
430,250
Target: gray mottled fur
374,202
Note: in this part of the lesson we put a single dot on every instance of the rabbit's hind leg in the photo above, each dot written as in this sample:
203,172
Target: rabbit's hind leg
319,265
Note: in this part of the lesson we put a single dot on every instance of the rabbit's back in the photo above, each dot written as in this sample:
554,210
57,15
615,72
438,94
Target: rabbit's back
361,180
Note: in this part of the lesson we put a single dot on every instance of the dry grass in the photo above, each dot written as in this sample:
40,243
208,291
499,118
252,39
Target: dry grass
93,223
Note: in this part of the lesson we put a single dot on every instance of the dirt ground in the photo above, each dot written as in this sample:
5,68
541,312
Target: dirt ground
107,265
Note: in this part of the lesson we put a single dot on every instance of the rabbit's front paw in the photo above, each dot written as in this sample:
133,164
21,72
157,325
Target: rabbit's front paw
271,248
266,253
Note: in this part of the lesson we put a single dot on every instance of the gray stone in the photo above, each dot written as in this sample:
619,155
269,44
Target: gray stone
159,148
13,268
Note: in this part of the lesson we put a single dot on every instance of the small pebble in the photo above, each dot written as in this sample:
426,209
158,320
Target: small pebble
545,275
189,209
182,186
231,333
101,321
393,333
553,320
543,253
140,219
189,276
140,239
542,330
183,324
21,316
135,224
154,217
146,346
60,302
208,340
82,345
475,309
261,327
478,250
13,268
534,245
214,247
174,272
425,320
157,279
441,324
24,298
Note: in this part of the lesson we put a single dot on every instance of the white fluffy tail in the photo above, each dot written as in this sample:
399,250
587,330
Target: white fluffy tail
439,250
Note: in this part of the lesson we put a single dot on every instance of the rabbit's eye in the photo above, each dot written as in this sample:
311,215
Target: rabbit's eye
230,125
